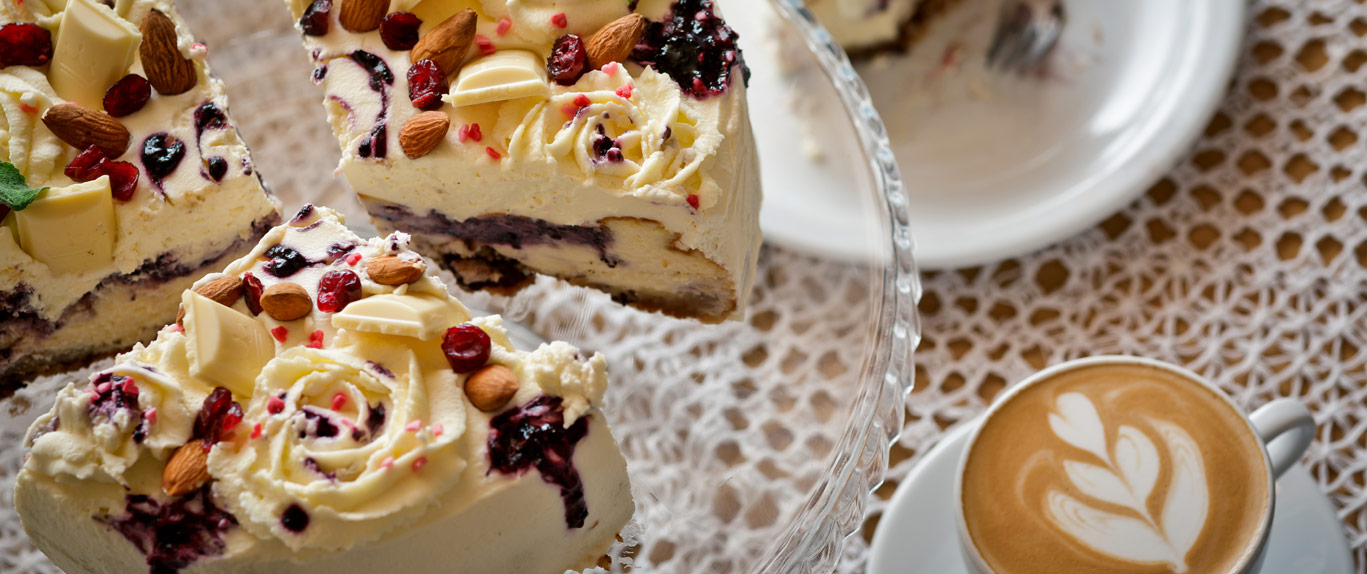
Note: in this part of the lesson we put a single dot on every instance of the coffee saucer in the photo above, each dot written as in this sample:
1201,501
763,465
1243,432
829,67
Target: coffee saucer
916,533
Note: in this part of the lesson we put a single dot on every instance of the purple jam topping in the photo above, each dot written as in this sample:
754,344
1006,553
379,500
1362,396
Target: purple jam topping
284,261
294,519
512,230
114,393
303,215
161,155
175,534
375,419
319,424
209,117
693,46
339,250
604,147
378,368
534,435
376,145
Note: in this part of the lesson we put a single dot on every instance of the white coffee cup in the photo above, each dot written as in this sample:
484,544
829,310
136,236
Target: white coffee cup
1283,429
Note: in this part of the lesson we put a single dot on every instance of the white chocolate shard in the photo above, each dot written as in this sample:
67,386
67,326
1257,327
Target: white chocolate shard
225,347
503,75
94,49
419,316
72,228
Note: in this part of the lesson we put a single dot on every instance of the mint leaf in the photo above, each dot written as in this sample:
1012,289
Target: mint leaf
14,191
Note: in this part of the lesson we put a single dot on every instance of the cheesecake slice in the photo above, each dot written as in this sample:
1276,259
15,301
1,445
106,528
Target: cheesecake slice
122,179
322,406
604,143
868,27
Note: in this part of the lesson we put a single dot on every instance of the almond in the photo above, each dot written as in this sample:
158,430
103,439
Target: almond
448,42
423,132
393,271
187,470
225,290
490,388
168,71
614,42
362,15
286,302
83,127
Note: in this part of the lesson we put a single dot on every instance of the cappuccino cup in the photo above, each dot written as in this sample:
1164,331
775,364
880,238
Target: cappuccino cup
1123,465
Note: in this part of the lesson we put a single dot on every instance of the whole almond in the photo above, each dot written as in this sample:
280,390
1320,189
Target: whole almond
423,132
490,388
394,271
83,127
187,470
614,42
448,42
225,290
286,301
168,71
362,15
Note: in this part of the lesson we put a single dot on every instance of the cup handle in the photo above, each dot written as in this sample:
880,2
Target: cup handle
1287,428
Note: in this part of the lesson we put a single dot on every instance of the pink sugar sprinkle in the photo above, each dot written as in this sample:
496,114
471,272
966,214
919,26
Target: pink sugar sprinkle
103,388
94,394
130,387
582,101
625,91
493,153
30,110
175,328
256,431
486,46
413,426
463,134
315,340
150,416
560,20
476,133
504,25
280,333
693,201
353,259
570,110
275,405
611,68
338,401
437,429
419,463
387,462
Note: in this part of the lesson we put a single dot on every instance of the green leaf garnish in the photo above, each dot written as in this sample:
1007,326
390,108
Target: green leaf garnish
14,190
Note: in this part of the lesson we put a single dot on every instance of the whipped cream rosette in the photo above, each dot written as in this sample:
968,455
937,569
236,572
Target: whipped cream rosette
326,405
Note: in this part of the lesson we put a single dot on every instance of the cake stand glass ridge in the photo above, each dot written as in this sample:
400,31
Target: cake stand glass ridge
752,446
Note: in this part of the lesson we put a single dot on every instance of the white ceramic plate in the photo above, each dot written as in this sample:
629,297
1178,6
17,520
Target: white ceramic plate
1000,166
916,533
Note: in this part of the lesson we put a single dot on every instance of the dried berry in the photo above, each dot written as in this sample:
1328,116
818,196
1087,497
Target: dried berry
399,30
252,293
314,22
24,45
337,289
218,417
127,95
426,85
694,46
569,60
466,348
92,163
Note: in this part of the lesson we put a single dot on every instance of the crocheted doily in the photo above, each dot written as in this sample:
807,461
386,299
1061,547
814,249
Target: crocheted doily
1246,263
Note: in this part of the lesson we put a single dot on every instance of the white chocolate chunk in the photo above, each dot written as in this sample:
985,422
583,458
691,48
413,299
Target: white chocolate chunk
503,75
419,316
225,347
94,49
72,228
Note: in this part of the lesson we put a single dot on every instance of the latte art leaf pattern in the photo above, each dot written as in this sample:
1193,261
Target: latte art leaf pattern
1126,478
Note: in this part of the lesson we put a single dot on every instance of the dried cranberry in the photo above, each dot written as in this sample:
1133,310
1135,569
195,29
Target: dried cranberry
218,417
337,289
399,30
426,85
24,45
127,95
92,163
252,293
314,22
284,261
569,60
466,347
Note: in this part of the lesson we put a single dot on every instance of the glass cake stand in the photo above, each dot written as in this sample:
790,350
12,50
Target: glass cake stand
752,446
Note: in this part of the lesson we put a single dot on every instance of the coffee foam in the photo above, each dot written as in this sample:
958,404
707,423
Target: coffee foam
1115,468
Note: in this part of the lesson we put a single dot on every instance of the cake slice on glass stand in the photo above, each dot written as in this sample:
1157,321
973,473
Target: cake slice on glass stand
324,405
123,179
604,143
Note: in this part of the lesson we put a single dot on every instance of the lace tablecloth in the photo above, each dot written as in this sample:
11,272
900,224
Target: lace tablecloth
1246,263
